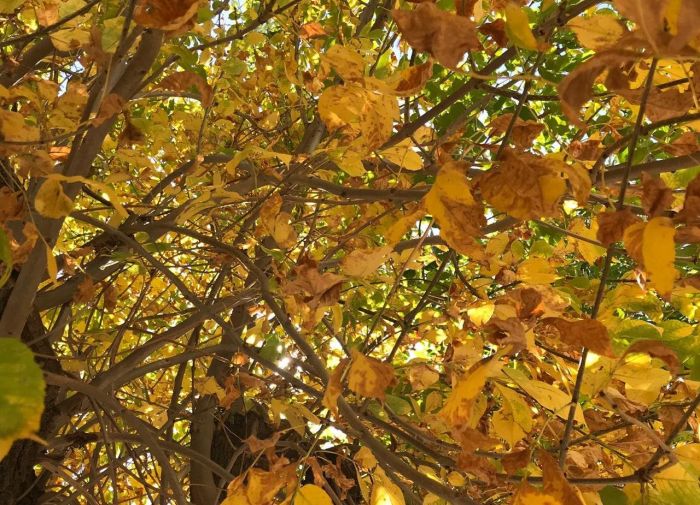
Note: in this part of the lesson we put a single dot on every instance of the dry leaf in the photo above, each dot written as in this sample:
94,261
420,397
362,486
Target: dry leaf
445,36
656,196
659,350
51,201
556,489
110,107
459,215
690,214
523,132
182,82
612,225
334,388
312,30
165,15
583,333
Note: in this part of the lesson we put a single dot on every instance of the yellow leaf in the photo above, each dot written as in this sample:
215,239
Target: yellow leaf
459,405
513,421
459,215
51,201
310,494
384,491
397,230
347,63
598,31
403,155
556,490
349,162
589,252
13,128
547,395
364,262
365,458
518,27
369,376
659,252
537,271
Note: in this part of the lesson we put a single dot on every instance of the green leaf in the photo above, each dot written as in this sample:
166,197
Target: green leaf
21,393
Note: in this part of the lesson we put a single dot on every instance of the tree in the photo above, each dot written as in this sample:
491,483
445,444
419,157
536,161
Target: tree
349,252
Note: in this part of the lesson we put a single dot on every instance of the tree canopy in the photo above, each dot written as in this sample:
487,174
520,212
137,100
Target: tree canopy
315,252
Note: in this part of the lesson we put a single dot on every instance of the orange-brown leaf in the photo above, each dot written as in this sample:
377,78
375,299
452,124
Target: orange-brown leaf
443,35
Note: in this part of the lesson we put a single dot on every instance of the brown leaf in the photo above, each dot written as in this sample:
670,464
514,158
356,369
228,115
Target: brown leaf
523,132
690,214
411,81
649,21
612,225
577,87
514,461
314,288
524,185
182,82
165,15
312,30
585,151
110,107
497,31
505,332
257,445
445,36
687,235
86,291
656,196
683,145
659,350
660,105
528,302
583,333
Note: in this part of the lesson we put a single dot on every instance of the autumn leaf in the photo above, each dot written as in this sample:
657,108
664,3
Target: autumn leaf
458,408
690,214
110,107
277,223
582,333
183,82
310,494
410,80
165,15
598,31
612,225
459,215
51,201
445,36
659,350
369,377
313,287
363,263
21,393
518,27
524,185
556,489
523,133
334,388
656,196
652,246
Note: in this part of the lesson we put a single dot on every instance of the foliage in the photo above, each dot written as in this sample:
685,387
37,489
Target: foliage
313,252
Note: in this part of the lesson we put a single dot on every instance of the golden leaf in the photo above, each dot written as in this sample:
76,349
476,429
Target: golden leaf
364,262
458,408
369,377
459,215
518,27
311,494
51,201
652,246
599,31
556,490
524,185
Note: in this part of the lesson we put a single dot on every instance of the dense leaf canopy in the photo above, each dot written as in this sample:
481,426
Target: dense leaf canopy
349,251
